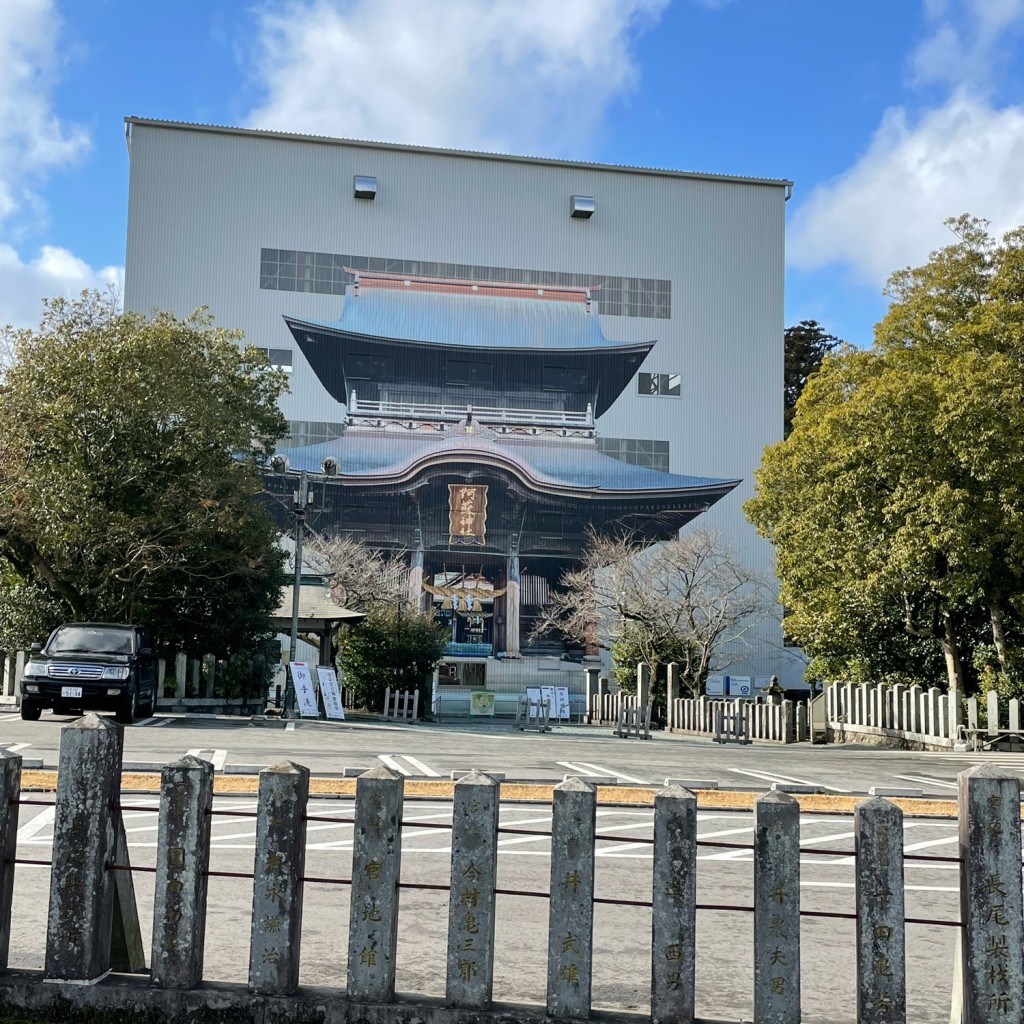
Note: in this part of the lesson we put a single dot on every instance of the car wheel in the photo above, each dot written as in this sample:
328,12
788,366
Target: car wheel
126,713
30,712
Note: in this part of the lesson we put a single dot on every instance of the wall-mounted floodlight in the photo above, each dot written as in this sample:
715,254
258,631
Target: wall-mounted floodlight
364,186
330,467
279,464
582,206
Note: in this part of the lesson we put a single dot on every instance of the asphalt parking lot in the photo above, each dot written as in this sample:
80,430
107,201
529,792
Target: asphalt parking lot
434,751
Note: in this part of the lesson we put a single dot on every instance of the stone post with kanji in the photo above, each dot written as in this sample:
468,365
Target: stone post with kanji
881,946
776,909
10,794
571,911
182,862
471,907
673,917
277,887
990,897
84,839
376,868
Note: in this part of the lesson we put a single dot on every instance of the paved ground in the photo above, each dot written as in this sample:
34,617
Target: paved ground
622,934
435,750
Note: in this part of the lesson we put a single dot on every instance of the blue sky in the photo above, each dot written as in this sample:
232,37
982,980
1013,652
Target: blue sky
889,115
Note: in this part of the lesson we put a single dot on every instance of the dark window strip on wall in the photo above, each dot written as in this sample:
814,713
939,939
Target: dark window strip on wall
303,432
289,270
637,451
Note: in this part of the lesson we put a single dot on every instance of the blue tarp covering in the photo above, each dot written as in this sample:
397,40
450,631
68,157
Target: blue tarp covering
478,321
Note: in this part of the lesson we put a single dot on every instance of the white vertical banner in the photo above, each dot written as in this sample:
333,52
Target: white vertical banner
561,705
330,692
547,693
305,694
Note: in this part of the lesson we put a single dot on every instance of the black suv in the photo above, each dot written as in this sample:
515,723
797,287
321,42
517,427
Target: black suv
97,666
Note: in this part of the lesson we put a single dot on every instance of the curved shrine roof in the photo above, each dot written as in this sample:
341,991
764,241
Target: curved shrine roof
376,458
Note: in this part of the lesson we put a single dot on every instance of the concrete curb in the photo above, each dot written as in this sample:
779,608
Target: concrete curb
530,792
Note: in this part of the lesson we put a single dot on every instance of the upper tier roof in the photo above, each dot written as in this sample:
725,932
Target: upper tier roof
472,315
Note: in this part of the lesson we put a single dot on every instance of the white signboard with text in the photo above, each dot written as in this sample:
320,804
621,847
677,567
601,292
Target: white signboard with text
561,705
305,694
533,692
330,692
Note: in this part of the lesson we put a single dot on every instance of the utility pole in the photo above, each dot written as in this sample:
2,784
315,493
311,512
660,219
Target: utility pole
301,501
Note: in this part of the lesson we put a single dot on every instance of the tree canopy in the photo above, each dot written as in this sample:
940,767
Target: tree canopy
129,453
896,505
806,345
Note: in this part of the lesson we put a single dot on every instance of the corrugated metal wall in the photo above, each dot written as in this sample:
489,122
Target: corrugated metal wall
202,205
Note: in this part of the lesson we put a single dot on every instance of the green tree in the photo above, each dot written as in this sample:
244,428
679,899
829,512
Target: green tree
128,469
391,648
895,505
806,345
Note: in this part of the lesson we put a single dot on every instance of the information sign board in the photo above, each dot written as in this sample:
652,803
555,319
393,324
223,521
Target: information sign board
481,702
561,706
330,693
305,694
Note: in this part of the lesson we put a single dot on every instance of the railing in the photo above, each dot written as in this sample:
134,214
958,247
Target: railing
89,864
483,413
401,705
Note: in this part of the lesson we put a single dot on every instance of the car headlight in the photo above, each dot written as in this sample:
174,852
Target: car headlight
35,668
116,672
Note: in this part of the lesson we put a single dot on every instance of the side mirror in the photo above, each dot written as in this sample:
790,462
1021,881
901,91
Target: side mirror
36,648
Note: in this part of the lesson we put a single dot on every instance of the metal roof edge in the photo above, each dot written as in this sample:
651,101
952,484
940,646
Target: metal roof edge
151,122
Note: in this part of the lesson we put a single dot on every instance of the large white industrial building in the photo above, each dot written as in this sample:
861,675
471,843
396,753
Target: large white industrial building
314,246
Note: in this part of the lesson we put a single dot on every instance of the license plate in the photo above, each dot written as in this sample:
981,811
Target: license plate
71,691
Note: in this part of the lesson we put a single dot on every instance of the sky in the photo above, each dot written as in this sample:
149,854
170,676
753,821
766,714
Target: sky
889,115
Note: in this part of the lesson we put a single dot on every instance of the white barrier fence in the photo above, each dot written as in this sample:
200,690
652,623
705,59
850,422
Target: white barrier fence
909,713
784,722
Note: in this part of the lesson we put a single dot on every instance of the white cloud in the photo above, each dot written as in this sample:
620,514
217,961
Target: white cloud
55,271
32,138
967,41
33,143
509,75
963,156
887,210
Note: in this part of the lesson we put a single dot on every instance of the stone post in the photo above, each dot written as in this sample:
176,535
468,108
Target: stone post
210,665
471,910
881,959
898,716
10,793
673,919
571,911
776,909
993,712
7,674
934,717
956,713
849,705
161,675
671,694
182,860
195,677
180,672
1014,715
990,896
643,685
593,690
277,887
602,696
915,708
972,713
376,866
84,841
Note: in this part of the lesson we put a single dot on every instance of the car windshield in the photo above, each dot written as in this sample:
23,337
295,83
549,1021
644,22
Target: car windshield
90,640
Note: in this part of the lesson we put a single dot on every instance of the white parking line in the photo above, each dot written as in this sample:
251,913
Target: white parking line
421,767
391,763
774,777
217,757
611,771
927,780
14,747
290,727
44,819
151,722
